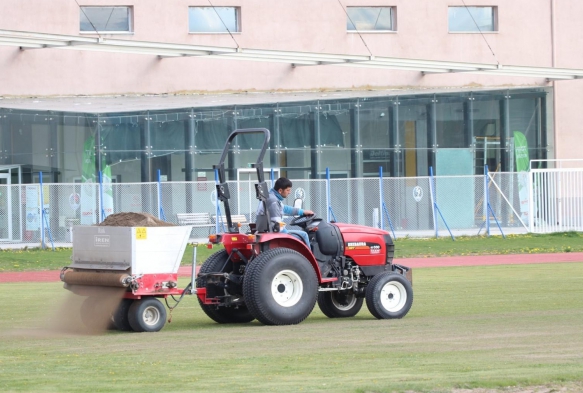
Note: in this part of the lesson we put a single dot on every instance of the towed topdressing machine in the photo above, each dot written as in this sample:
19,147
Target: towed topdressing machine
264,274
142,261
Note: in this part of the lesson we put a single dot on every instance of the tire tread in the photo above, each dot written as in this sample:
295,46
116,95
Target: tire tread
220,315
373,302
252,282
329,310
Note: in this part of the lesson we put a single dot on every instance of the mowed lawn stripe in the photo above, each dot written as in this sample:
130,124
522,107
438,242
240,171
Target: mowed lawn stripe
488,326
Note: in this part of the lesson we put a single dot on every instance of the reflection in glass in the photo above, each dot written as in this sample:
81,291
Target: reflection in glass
413,138
213,19
450,125
369,18
112,19
487,133
469,19
352,137
526,117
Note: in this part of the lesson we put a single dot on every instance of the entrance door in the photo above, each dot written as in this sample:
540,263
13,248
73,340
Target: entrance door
5,207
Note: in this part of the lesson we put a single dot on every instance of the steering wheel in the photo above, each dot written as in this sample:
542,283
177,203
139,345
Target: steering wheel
302,221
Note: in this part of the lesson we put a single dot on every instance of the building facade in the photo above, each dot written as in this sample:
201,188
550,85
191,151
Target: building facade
351,120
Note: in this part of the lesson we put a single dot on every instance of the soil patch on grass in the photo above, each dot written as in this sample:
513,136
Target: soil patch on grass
573,387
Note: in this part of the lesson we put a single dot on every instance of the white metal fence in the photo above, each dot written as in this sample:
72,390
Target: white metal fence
557,197
403,206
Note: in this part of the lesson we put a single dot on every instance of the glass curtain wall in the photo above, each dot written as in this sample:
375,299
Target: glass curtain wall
377,144
527,114
415,134
455,133
335,149
486,123
47,142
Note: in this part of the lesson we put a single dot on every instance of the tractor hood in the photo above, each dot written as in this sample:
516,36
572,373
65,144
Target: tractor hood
367,245
353,228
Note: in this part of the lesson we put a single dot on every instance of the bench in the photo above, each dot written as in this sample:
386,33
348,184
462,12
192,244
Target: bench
195,220
235,219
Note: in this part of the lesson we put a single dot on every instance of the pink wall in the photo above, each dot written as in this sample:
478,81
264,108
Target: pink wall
301,25
524,38
568,94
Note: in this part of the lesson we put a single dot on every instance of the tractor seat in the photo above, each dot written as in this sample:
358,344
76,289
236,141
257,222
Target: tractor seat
329,239
261,224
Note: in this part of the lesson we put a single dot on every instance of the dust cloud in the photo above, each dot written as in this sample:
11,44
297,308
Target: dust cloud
83,311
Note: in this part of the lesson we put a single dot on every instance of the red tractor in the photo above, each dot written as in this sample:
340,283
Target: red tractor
277,278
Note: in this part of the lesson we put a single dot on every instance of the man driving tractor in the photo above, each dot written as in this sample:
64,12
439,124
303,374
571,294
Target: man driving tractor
281,189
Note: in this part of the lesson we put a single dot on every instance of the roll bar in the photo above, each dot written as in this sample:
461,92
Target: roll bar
261,189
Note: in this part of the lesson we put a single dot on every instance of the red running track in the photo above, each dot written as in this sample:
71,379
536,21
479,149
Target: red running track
481,260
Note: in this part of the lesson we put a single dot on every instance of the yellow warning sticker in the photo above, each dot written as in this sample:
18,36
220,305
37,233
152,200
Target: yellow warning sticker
141,233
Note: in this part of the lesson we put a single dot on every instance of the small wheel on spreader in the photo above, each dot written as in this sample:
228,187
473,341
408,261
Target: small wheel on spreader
120,316
147,315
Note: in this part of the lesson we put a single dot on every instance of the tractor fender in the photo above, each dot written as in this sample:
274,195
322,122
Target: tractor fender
268,241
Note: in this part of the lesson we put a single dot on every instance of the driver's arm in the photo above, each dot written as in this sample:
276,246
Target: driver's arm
292,211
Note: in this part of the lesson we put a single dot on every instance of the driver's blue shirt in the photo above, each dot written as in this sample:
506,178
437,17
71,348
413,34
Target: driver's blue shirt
277,209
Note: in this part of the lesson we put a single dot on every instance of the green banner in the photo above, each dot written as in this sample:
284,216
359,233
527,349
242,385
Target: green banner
107,191
88,189
521,152
522,167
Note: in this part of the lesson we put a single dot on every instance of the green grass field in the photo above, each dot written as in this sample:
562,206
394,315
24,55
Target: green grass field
36,259
489,327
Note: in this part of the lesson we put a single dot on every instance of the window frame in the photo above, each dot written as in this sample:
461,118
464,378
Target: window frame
494,20
393,10
238,25
130,20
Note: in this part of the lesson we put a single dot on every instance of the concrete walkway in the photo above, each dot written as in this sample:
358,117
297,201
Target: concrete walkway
482,260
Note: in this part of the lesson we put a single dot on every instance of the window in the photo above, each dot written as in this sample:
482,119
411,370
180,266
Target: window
472,19
213,19
370,19
106,19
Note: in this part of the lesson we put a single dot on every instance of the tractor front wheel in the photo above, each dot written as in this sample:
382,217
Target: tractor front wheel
147,315
339,304
280,287
389,296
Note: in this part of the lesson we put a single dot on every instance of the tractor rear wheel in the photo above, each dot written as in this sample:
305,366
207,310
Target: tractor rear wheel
221,314
389,296
339,304
147,315
280,287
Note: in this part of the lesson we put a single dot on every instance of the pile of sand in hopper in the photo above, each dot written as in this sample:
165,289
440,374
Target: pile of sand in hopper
134,220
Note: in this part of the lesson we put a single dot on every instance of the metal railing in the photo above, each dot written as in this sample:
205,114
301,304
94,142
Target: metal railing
402,206
556,196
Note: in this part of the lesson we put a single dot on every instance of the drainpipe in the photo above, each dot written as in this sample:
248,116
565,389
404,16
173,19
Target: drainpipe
555,94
